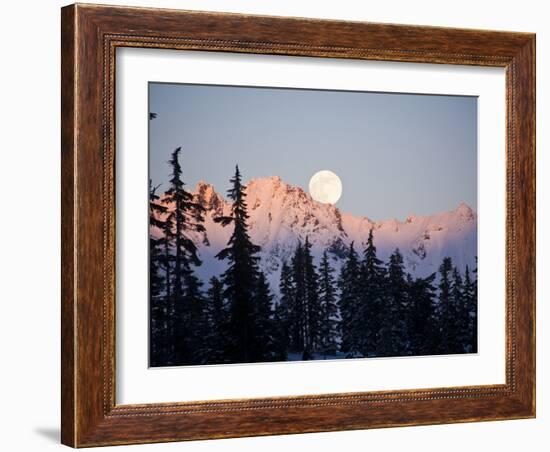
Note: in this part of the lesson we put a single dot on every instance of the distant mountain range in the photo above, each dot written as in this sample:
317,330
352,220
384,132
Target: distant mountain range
282,214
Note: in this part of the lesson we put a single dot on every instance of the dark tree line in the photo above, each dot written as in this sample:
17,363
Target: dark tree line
384,311
374,309
370,309
177,301
232,320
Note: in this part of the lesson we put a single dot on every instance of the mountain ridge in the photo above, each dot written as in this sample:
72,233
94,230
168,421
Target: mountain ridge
282,214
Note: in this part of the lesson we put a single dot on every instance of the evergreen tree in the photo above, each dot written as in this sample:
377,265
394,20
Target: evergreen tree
470,313
193,329
462,319
158,308
458,313
298,313
187,304
328,309
312,307
283,313
421,319
166,261
350,290
264,328
474,311
241,276
216,317
372,310
184,216
156,223
445,311
394,339
280,333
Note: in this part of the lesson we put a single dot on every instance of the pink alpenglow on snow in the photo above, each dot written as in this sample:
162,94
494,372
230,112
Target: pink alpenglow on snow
282,214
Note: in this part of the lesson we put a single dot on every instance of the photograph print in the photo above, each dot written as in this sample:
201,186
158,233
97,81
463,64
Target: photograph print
295,224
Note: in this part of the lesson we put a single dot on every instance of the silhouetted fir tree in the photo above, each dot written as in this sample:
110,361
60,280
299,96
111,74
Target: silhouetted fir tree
456,326
475,311
280,333
166,260
241,275
371,309
462,320
421,319
393,339
216,318
191,342
184,216
264,328
445,311
469,322
158,308
283,312
312,308
156,212
350,290
328,308
298,313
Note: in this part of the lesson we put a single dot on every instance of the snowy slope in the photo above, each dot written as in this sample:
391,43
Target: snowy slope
282,214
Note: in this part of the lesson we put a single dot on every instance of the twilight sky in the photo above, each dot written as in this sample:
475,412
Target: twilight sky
396,154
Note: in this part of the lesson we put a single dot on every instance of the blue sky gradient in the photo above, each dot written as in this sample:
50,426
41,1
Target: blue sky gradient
396,154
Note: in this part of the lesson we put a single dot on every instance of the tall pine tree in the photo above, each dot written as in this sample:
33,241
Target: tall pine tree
284,313
312,308
469,322
394,339
445,311
158,308
421,320
264,327
371,310
166,260
298,313
216,316
241,276
184,216
351,327
328,308
193,348
458,325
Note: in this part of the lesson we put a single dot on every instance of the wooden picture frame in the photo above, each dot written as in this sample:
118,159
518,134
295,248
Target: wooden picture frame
90,36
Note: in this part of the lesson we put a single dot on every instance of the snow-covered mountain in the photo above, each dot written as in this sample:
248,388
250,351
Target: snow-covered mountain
282,214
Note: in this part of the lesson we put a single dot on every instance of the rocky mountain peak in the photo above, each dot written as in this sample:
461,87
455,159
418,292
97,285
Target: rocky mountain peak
206,195
282,214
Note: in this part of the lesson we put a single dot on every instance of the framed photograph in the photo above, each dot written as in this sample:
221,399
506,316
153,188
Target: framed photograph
280,225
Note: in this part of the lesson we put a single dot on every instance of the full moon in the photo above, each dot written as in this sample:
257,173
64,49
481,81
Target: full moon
325,187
